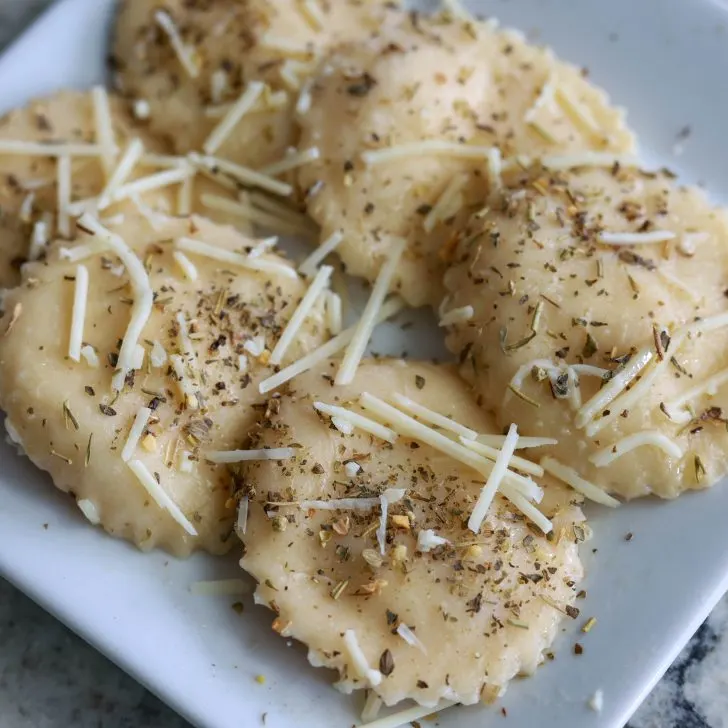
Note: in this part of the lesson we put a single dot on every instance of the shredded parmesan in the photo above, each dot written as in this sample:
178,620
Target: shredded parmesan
596,702
49,149
158,356
525,466
64,195
677,411
357,420
245,175
409,715
254,215
649,238
160,497
359,661
104,127
291,161
143,294
457,316
616,385
141,109
530,511
303,103
293,327
78,317
311,263
151,182
485,498
523,442
185,194
198,247
25,212
262,247
240,456
262,201
431,147
137,430
241,525
185,265
90,356
609,454
673,280
334,313
427,540
434,418
372,707
242,106
312,13
327,350
587,159
441,209
495,167
89,509
184,382
340,504
221,588
355,350
120,174
579,114
410,637
580,485
286,46
38,240
185,55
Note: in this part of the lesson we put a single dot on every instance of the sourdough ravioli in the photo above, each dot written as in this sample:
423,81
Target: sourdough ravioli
67,116
600,306
468,603
428,79
66,419
231,42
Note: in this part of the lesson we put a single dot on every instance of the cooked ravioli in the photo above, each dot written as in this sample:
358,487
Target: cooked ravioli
411,129
221,48
589,305
427,609
193,386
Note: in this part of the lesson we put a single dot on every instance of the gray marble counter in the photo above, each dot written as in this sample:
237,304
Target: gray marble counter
49,678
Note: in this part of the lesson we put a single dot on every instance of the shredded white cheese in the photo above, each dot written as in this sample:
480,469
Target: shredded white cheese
495,168
327,350
655,438
237,111
390,495
587,159
352,469
78,316
38,240
141,109
580,485
434,418
158,356
104,127
241,524
485,498
185,194
616,385
596,702
676,409
519,463
137,430
441,209
151,182
160,497
649,238
262,247
457,316
409,715
293,327
356,420
427,540
185,55
578,112
530,511
185,265
88,353
25,212
312,13
184,382
240,456
365,327
197,247
291,161
523,442
311,263
286,46
431,147
340,504
334,313
121,173
305,98
64,195
410,637
185,463
253,215
245,175
359,660
89,509
372,707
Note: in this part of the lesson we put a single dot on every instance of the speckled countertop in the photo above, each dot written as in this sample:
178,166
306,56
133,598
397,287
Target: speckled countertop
49,678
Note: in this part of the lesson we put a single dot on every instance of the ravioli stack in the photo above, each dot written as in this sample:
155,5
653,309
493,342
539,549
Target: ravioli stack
416,525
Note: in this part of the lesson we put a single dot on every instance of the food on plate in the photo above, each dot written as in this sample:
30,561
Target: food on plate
588,304
379,548
224,78
413,128
53,151
129,370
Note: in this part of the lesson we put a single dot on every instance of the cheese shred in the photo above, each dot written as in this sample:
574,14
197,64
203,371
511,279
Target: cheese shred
356,420
580,485
78,316
606,456
236,112
137,430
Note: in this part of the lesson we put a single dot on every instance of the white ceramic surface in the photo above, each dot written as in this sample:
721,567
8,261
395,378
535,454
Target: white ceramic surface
665,62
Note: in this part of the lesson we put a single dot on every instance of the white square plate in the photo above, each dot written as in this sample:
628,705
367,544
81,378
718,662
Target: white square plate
666,63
